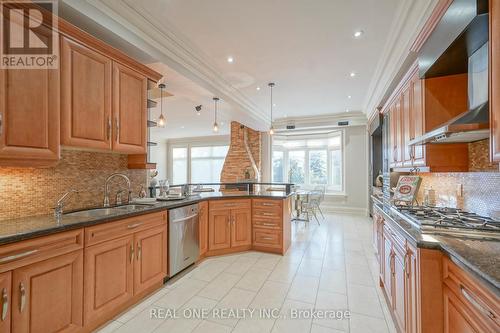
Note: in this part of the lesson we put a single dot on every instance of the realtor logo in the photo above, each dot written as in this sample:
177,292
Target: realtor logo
28,30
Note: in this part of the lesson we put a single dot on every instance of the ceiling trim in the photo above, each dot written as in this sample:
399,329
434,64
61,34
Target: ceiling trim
410,18
357,118
164,44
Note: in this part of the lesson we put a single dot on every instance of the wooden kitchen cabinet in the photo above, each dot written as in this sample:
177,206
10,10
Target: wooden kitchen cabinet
109,277
219,229
85,96
399,291
457,319
29,117
203,225
151,258
129,110
387,268
230,225
5,301
494,85
411,290
420,105
48,295
241,227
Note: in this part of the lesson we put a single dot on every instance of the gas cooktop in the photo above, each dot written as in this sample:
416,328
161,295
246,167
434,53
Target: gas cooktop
441,218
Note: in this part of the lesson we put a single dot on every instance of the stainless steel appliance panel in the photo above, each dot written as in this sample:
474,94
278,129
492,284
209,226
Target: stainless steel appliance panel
183,238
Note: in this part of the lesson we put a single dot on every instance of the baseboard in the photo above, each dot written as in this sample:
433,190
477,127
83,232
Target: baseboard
345,209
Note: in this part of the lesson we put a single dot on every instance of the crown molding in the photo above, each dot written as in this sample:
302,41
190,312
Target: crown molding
356,118
410,18
132,22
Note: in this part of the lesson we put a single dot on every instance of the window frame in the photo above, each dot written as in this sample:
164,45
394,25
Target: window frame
307,150
188,146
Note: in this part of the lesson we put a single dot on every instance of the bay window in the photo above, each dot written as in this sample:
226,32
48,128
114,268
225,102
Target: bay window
309,160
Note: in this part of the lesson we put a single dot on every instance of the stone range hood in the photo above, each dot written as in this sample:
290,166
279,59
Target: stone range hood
244,154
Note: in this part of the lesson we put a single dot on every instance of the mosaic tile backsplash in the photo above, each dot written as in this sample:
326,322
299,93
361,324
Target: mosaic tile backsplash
481,191
29,191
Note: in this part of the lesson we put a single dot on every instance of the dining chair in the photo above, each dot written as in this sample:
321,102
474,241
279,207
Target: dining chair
321,189
310,205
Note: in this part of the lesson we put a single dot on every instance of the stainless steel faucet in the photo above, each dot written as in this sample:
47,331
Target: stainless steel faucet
106,187
58,211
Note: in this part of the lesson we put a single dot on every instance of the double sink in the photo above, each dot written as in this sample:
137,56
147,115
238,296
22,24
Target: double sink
105,211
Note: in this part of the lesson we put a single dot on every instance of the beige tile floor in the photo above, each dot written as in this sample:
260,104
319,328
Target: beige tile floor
328,267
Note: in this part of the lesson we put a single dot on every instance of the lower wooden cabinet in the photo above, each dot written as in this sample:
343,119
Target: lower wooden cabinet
203,227
457,318
109,280
47,296
150,258
230,224
6,299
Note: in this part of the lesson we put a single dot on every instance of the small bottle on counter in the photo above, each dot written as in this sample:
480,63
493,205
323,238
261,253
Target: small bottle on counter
429,196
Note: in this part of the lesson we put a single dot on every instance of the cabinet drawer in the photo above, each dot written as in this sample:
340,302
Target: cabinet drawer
266,223
273,214
267,238
267,203
112,230
27,252
478,300
230,204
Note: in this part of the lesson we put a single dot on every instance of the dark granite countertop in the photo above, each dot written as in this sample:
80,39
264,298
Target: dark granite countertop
18,229
480,257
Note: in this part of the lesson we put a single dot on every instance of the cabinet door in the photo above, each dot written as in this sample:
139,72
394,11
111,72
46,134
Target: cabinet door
85,96
203,224
241,227
151,258
495,80
108,277
411,271
393,134
399,133
219,229
129,110
388,269
457,317
5,301
407,127
48,295
399,290
417,115
29,117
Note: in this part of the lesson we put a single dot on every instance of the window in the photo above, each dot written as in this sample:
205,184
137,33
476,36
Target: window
309,160
197,164
179,165
206,163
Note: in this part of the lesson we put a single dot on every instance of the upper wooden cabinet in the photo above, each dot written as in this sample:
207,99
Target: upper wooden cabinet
495,80
29,117
129,110
85,96
420,105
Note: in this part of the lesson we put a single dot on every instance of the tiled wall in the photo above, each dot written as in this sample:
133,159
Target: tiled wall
479,157
481,190
237,160
28,191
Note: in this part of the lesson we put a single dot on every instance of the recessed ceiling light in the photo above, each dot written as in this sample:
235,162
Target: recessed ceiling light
182,127
274,104
349,96
258,88
358,33
230,59
222,123
346,110
352,74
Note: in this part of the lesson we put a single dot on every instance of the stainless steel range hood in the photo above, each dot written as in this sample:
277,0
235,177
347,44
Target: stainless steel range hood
469,126
459,44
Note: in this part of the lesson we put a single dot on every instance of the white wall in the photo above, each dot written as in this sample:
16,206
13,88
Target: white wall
355,198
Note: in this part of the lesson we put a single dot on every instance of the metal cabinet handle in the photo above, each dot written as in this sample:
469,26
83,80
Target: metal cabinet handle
5,303
267,204
131,252
1,123
108,130
269,224
230,205
139,250
117,126
267,238
135,225
22,296
17,256
477,304
267,214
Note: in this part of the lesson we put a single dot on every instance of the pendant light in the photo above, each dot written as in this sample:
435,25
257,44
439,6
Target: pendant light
271,128
161,119
216,126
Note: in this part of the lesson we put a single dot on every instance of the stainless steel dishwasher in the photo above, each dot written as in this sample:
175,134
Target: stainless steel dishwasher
184,246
